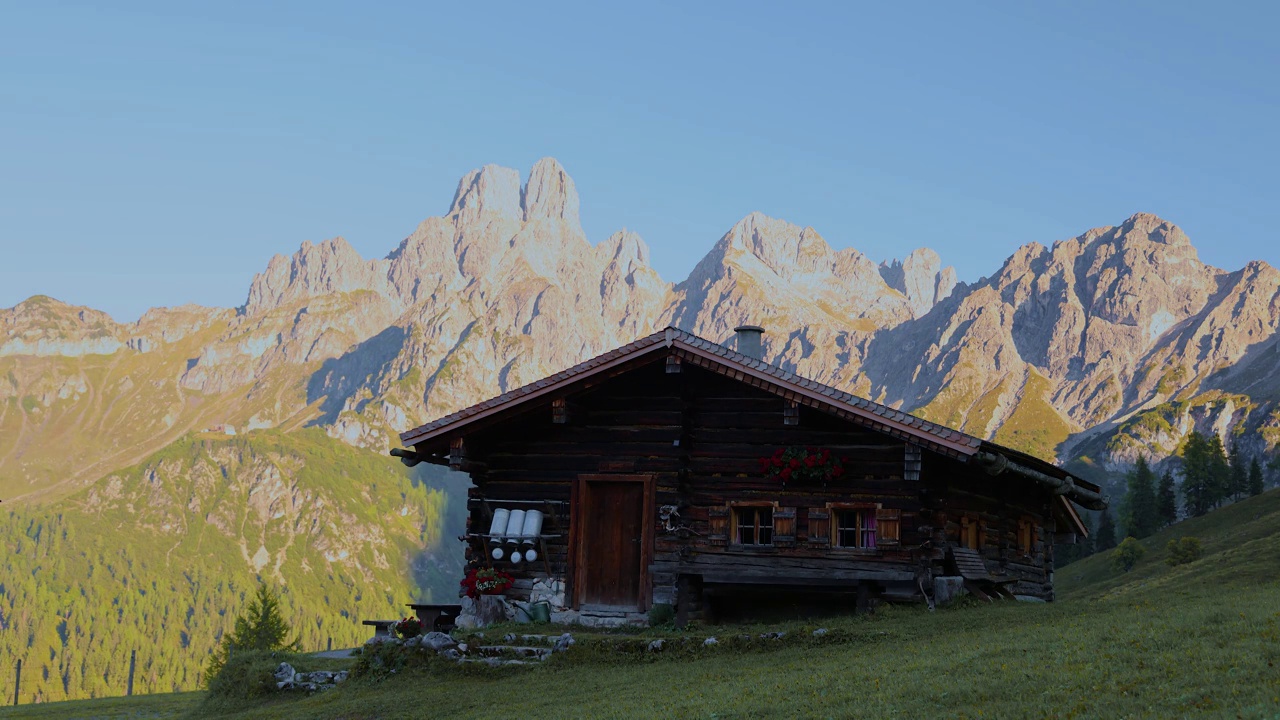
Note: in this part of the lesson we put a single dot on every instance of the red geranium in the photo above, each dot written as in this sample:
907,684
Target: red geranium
802,464
485,581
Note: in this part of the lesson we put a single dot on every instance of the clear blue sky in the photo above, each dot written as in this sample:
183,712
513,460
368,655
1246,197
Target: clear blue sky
152,154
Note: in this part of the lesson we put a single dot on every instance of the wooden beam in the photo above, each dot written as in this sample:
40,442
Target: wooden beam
457,453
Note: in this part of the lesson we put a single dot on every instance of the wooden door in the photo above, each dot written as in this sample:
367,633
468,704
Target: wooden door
612,540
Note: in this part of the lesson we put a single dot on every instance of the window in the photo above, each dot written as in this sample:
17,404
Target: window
753,525
855,528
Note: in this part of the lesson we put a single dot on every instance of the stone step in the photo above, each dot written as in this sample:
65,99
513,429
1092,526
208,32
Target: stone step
520,651
512,639
620,611
497,662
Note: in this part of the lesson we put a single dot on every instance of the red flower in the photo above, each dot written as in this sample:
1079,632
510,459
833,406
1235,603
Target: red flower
826,456
777,454
795,463
837,471
810,461
786,474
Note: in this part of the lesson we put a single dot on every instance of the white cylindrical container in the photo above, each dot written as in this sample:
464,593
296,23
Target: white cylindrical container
515,557
498,552
532,527
515,526
501,517
531,554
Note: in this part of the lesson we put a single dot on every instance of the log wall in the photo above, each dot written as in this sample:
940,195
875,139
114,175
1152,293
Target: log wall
701,436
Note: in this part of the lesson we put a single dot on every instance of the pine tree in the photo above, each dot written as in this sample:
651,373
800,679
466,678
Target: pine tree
1255,477
261,627
1205,473
1106,533
1139,514
1167,500
1239,482
1220,471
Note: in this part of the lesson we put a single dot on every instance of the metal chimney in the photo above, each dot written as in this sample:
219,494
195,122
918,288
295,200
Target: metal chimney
749,340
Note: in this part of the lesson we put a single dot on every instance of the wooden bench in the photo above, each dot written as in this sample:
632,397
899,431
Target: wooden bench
381,628
438,618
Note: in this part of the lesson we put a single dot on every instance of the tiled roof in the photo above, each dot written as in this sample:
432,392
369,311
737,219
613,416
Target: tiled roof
887,418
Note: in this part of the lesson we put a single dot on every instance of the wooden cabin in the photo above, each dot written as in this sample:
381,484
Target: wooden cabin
656,471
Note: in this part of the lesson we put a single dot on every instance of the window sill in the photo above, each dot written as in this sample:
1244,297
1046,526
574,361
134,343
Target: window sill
740,548
853,552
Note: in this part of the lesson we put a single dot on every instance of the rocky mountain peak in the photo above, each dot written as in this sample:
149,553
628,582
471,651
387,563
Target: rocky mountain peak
41,325
491,189
1145,226
315,270
783,247
921,278
625,247
550,193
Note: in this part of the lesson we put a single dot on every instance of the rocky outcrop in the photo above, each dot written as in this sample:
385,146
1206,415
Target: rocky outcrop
42,326
333,266
921,278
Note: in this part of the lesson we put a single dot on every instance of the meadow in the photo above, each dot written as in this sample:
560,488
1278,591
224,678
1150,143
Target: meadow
1197,640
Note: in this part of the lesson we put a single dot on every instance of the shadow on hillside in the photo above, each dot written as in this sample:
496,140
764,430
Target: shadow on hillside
339,378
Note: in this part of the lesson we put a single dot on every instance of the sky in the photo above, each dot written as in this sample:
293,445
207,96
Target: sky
156,154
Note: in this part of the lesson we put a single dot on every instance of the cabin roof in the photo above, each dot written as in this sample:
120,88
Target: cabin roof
726,361
958,442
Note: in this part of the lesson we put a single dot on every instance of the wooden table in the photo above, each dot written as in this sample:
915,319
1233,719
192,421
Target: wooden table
439,618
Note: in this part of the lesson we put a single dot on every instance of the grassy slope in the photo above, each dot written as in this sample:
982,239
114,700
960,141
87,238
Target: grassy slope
67,421
157,558
1198,640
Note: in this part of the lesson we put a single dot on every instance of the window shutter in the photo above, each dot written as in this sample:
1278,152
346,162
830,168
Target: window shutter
819,527
718,525
888,526
784,527
970,533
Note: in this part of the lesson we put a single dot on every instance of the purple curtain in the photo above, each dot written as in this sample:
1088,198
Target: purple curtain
869,529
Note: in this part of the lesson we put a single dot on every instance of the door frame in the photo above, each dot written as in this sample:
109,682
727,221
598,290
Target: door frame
577,555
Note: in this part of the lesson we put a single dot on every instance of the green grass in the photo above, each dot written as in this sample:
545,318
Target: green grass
173,705
1196,640
1119,659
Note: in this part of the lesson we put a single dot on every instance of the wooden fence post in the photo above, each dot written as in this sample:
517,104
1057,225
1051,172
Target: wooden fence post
17,682
133,663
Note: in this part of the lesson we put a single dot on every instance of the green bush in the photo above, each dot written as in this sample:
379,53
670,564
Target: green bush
248,675
1183,550
661,614
1127,554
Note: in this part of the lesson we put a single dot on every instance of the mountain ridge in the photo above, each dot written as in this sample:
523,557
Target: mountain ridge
506,288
